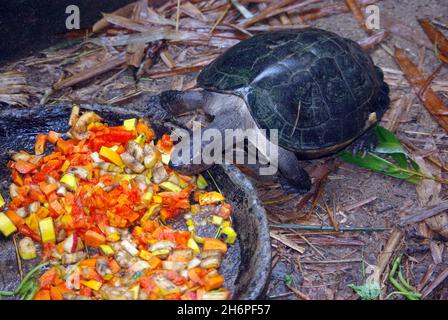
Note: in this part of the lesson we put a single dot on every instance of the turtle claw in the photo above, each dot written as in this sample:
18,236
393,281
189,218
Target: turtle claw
364,144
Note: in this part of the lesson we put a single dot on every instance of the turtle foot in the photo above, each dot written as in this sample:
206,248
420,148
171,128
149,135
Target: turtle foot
301,184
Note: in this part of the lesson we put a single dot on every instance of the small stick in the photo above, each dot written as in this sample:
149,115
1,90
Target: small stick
332,261
311,245
19,261
421,214
299,294
437,281
177,15
386,255
326,228
426,277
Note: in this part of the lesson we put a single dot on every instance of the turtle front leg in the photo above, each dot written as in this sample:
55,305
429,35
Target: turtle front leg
183,102
292,177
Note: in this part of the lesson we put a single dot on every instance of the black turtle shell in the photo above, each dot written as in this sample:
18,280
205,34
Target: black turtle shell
314,86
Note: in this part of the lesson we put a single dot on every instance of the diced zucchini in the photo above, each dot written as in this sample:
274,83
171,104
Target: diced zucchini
46,228
230,234
141,138
147,197
166,158
69,181
169,186
2,201
129,124
193,246
201,182
6,225
135,291
217,220
107,250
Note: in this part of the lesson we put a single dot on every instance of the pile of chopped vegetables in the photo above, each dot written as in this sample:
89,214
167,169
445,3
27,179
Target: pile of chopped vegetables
99,205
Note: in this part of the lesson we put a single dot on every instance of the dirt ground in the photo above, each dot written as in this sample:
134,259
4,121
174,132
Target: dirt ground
325,269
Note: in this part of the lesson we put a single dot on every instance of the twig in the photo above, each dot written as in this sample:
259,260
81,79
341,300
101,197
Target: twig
19,260
426,277
332,261
100,68
326,228
177,15
386,255
311,245
358,204
242,9
299,294
287,242
424,213
437,281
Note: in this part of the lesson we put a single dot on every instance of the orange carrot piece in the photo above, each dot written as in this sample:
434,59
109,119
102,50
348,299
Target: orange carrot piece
42,294
24,167
39,147
53,137
94,239
55,293
91,263
57,207
213,282
214,244
48,188
142,127
154,262
15,218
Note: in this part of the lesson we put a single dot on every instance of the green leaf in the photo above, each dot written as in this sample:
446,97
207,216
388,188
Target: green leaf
385,135
288,279
398,164
368,291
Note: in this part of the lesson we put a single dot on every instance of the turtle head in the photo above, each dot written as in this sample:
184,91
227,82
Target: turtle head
187,165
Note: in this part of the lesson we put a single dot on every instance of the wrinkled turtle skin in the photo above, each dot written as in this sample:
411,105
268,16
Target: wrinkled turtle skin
317,88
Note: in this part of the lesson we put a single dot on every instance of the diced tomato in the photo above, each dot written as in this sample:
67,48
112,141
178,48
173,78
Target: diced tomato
165,144
47,278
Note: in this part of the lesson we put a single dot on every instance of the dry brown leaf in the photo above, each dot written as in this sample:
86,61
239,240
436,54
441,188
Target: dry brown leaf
417,79
436,37
358,14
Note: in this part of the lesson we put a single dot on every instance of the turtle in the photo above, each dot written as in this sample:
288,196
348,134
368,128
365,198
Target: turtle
321,91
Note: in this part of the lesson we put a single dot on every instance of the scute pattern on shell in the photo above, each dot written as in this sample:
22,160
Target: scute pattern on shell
314,86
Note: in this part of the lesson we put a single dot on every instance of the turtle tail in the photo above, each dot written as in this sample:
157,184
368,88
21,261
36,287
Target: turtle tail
382,99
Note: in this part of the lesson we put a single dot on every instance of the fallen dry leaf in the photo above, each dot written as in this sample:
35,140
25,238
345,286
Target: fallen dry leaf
436,37
417,79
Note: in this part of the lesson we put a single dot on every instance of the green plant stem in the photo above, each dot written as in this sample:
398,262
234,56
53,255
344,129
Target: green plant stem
398,286
25,285
405,282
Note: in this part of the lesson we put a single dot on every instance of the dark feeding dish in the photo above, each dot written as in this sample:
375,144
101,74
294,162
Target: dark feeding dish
247,267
